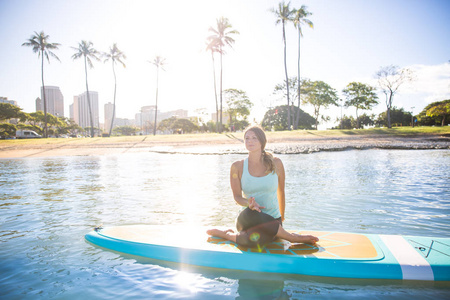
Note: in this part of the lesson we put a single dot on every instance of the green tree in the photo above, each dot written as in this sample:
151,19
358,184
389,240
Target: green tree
281,89
390,79
86,50
159,62
284,14
398,117
7,130
40,44
439,110
37,119
320,95
300,17
126,130
186,126
218,41
9,111
67,126
360,96
114,55
346,122
177,125
276,118
366,120
238,106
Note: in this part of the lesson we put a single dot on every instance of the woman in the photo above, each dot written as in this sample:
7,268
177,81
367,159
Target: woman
258,185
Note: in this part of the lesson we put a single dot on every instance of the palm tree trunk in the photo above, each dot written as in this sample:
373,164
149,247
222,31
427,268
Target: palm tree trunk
357,119
221,71
296,123
43,96
389,110
156,106
88,98
287,79
215,92
114,107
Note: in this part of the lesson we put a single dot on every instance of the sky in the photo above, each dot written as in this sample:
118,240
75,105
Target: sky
351,40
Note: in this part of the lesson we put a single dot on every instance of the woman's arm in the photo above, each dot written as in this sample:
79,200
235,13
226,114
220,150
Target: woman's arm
235,182
281,185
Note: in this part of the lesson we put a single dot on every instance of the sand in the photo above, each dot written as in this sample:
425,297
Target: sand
214,144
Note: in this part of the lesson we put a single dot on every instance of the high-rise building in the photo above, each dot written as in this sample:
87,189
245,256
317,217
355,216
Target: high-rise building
109,109
55,101
80,110
5,100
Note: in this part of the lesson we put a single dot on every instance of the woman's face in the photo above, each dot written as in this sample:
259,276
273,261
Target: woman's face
251,141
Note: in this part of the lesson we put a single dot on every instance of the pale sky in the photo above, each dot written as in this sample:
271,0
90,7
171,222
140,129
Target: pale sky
350,41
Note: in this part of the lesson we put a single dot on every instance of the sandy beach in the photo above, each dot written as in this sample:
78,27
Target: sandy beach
279,143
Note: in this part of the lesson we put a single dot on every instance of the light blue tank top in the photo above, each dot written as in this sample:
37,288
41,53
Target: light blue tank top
264,189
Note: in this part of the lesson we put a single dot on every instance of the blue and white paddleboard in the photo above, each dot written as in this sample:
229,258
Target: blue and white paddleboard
337,254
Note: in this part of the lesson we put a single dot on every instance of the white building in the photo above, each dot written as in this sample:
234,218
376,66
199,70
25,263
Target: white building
79,110
109,109
146,118
5,100
55,101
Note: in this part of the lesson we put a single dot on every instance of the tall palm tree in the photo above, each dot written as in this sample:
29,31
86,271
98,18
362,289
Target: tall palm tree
159,62
284,14
212,46
41,45
86,50
114,55
300,17
221,39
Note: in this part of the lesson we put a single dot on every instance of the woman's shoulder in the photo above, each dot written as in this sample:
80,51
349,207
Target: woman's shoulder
278,164
277,160
238,164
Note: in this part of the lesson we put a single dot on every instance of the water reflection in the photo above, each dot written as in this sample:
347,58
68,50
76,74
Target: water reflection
48,204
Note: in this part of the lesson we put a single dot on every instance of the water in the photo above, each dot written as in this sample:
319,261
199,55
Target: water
48,204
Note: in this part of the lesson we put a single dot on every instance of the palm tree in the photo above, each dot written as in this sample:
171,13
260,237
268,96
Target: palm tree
159,62
212,46
115,55
40,44
284,14
220,40
300,18
86,50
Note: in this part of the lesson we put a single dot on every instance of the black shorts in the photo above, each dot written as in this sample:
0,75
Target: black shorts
256,229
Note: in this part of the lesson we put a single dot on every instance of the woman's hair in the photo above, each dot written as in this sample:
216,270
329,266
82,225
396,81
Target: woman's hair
267,156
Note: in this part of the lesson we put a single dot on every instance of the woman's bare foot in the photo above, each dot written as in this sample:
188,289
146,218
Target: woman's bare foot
225,234
306,239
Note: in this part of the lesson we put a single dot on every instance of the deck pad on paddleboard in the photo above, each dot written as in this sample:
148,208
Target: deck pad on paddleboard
337,254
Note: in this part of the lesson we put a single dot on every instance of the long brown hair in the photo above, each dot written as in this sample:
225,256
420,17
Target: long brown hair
267,156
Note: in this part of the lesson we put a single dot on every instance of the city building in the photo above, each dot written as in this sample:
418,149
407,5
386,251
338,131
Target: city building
146,118
55,101
5,100
179,113
225,117
39,104
109,109
79,110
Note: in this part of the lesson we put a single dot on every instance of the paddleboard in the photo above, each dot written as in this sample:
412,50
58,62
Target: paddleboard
337,254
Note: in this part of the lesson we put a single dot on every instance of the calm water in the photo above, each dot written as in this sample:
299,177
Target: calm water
47,205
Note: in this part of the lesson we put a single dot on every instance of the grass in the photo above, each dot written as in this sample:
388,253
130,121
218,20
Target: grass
226,137
397,131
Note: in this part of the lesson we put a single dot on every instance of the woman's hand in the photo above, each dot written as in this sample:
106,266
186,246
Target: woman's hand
253,205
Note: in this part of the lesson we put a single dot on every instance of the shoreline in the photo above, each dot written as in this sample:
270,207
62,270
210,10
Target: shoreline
217,144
